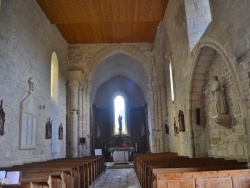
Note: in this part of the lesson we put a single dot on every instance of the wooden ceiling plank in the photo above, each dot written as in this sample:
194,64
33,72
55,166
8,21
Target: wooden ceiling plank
96,21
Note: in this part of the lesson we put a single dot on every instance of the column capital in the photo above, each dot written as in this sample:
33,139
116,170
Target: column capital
75,75
74,83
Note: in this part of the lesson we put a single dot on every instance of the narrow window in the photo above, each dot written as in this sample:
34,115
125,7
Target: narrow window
120,116
171,82
54,77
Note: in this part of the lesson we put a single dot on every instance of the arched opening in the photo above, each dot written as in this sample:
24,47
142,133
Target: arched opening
120,125
54,78
120,74
198,16
210,137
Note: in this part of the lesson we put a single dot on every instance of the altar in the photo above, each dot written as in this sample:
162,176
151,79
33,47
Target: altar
121,154
130,150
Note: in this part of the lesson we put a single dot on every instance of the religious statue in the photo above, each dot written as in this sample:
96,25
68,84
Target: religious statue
48,128
60,132
120,123
181,121
2,118
176,131
31,84
218,96
98,131
142,130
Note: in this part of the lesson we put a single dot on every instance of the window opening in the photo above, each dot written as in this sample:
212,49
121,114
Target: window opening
120,116
171,82
54,77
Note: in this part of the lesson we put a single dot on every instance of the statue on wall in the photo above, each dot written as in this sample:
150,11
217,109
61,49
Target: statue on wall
181,121
48,128
31,84
2,118
60,132
143,133
98,131
176,131
218,96
219,99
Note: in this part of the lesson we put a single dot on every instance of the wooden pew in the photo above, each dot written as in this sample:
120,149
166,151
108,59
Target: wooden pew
237,178
139,158
66,172
147,164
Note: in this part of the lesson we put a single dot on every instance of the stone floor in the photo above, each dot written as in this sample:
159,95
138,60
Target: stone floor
117,178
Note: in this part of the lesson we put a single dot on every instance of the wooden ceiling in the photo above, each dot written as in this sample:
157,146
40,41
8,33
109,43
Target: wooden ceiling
105,21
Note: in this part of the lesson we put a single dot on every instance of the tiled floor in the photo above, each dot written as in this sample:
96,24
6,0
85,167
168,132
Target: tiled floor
117,178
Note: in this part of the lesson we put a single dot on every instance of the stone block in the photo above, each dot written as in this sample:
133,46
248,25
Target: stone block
233,138
240,149
231,149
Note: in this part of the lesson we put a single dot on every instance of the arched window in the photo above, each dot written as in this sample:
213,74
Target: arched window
171,82
120,111
198,17
54,77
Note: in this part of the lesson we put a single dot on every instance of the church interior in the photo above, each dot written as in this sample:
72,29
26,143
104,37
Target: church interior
80,77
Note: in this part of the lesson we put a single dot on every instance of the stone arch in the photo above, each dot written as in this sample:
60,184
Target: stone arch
130,51
203,55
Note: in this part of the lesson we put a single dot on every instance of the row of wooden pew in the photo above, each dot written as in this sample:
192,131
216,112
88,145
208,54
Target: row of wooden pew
168,170
60,173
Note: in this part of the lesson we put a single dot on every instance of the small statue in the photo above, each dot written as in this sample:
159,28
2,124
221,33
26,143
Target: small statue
176,131
98,131
2,118
48,129
31,84
142,130
218,96
60,132
181,121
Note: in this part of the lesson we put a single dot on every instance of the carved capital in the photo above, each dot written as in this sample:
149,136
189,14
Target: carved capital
75,75
74,84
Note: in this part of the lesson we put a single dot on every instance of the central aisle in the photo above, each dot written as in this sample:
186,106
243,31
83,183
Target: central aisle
117,178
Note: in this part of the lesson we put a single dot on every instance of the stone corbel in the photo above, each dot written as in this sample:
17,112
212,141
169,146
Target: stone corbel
223,119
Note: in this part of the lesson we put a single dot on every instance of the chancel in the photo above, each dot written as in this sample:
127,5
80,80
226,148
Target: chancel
160,85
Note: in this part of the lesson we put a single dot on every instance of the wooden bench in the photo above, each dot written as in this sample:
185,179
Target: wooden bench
146,166
205,179
60,173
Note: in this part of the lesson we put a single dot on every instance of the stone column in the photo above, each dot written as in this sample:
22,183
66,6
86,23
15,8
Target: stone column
74,86
85,118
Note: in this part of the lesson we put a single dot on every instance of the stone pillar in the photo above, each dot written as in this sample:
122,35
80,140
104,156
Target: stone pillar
86,118
74,86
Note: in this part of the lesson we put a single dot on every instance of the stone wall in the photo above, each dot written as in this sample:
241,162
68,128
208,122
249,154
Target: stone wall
226,32
27,40
177,51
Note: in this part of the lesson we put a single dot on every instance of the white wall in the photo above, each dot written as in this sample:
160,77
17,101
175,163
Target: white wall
27,40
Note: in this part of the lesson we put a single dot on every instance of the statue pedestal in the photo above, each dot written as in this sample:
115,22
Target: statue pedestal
223,119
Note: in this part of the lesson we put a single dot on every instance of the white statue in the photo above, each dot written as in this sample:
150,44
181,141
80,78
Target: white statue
218,96
98,132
